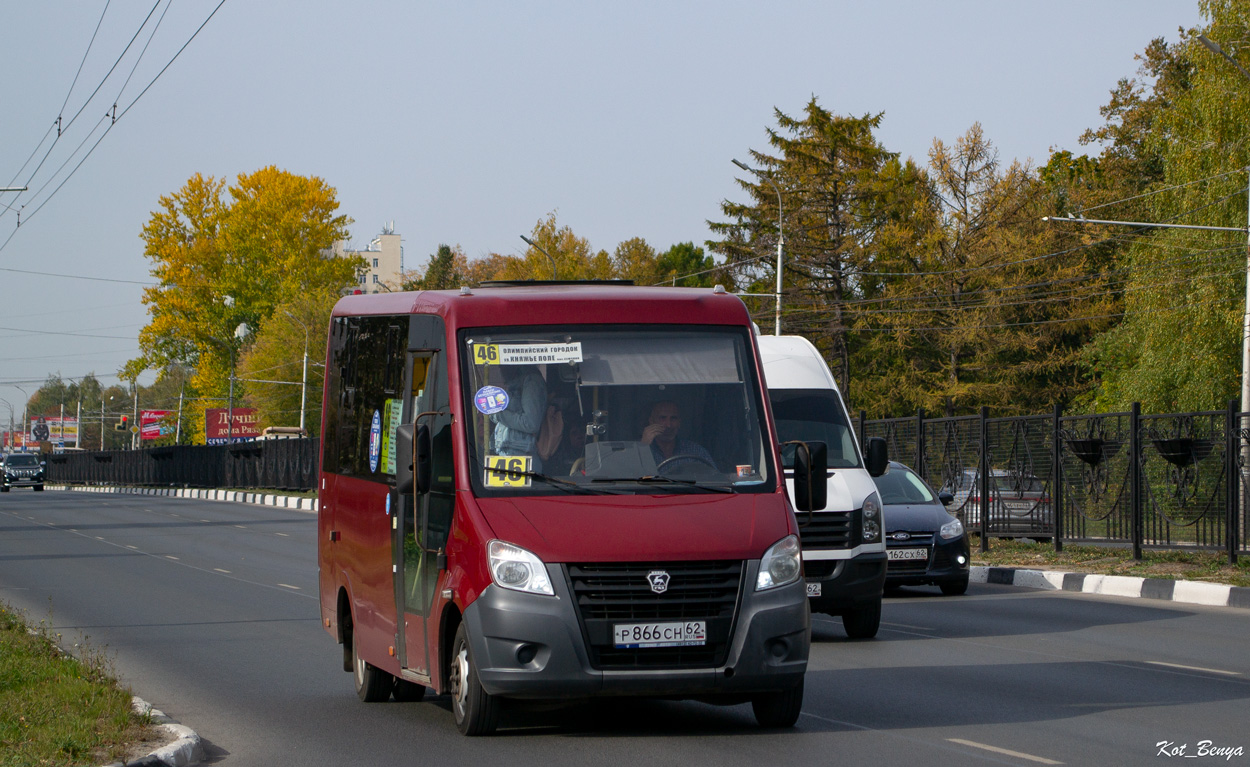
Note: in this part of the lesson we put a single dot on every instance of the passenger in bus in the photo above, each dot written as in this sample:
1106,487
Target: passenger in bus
517,426
572,449
661,434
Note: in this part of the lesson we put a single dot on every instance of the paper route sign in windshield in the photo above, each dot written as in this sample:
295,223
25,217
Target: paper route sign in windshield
527,354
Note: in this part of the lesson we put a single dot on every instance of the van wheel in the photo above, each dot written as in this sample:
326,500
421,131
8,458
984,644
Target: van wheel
476,711
372,684
864,622
38,488
779,709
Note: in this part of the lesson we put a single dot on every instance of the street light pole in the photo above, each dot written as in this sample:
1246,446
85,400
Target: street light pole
534,245
25,402
303,390
780,238
1245,324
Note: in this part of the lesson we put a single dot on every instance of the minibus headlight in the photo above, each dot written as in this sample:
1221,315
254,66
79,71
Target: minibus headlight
780,565
512,567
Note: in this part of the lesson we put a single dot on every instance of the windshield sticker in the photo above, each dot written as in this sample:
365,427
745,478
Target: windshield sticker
490,399
526,354
746,471
375,441
508,470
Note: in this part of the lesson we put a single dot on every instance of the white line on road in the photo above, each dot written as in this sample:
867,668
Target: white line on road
1003,751
219,570
1193,668
284,535
171,556
289,586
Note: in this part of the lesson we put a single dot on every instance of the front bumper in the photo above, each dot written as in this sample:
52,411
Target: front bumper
942,565
846,584
533,647
33,480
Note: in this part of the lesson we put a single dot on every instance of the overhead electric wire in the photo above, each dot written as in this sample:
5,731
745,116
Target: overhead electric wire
84,58
117,117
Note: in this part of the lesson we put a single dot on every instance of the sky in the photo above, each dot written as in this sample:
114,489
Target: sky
466,123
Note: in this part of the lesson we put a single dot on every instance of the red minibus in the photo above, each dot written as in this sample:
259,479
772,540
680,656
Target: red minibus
540,491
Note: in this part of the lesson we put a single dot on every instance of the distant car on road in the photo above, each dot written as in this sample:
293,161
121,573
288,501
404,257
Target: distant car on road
1020,504
925,544
21,470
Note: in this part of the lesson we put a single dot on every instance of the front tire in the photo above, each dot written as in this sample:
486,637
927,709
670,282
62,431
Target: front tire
372,684
954,588
779,709
476,711
38,488
862,623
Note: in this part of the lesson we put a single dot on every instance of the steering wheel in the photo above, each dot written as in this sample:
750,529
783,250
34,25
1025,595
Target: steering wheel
659,469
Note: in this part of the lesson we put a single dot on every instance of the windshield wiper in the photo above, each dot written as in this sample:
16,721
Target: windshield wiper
662,480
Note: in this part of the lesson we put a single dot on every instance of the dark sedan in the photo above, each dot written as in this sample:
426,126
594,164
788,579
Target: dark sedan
924,543
21,470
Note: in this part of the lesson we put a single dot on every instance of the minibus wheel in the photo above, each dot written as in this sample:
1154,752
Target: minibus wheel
476,711
779,709
372,684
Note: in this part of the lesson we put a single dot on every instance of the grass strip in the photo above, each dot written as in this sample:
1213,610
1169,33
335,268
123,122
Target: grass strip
58,708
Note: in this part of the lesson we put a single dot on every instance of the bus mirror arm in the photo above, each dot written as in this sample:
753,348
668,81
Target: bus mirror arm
421,463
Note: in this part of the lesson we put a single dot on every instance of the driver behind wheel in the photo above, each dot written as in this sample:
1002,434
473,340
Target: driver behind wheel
661,434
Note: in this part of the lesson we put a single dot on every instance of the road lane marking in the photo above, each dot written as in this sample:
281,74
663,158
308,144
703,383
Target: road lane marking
1193,668
906,626
1003,751
136,548
219,570
289,586
171,556
284,535
241,527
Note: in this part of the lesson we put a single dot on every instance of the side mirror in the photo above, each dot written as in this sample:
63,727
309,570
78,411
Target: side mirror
877,457
403,458
423,463
946,498
811,469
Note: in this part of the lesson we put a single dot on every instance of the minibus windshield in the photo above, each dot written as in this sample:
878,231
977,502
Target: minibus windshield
813,415
627,409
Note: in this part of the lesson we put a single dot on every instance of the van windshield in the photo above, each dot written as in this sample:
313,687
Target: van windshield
651,410
813,415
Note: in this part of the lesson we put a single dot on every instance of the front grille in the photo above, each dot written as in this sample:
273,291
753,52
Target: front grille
829,529
608,593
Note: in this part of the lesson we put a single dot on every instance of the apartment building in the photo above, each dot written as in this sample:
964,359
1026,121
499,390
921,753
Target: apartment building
384,261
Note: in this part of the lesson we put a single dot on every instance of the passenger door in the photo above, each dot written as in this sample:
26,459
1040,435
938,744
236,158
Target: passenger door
424,521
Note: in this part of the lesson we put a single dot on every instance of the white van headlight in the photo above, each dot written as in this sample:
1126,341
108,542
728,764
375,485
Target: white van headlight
781,564
512,567
872,518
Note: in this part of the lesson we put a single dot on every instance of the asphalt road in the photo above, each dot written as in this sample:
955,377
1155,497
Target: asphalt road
210,612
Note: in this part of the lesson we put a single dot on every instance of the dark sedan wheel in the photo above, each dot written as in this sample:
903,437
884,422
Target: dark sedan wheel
954,588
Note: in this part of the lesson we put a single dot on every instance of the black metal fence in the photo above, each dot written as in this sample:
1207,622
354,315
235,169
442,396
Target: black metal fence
1146,481
279,464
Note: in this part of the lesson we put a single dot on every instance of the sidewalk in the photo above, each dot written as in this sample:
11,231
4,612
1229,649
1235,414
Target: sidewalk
1192,592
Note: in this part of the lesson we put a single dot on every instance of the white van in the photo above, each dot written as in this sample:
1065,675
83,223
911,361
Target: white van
844,555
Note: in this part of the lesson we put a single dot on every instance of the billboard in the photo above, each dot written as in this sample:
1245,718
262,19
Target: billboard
216,425
55,429
153,424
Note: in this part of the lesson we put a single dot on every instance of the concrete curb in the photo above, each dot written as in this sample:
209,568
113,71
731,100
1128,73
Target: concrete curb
232,496
186,748
1192,592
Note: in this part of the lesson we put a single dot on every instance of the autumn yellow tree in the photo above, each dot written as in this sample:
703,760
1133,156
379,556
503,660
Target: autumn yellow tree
224,265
